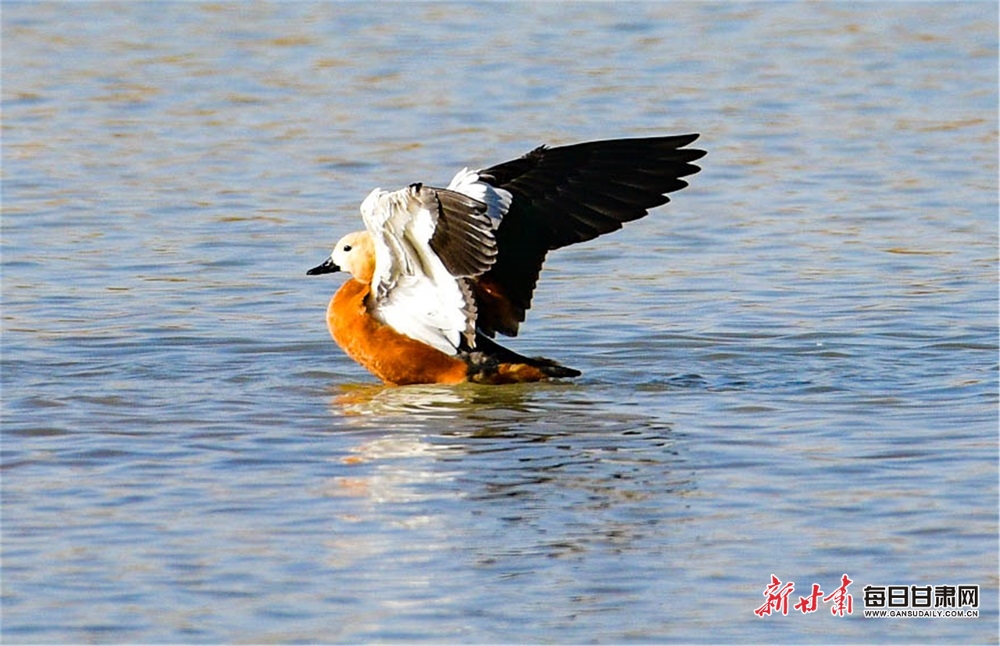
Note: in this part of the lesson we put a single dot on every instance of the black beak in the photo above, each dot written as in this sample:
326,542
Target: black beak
327,267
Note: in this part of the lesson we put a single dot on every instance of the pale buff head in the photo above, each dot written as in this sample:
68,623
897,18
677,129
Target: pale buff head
354,253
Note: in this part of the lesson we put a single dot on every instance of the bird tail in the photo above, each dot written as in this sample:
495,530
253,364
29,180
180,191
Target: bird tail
491,363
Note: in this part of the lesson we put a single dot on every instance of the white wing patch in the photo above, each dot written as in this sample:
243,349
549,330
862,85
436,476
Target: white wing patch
497,200
413,290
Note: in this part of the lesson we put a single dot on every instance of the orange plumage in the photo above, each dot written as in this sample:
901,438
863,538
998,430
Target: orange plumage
392,357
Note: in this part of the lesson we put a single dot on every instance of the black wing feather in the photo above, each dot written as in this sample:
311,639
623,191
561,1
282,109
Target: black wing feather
463,234
566,195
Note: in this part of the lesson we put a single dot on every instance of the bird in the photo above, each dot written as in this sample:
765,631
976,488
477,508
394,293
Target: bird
437,273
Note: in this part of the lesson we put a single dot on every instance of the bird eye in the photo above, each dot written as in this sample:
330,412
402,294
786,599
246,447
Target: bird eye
347,247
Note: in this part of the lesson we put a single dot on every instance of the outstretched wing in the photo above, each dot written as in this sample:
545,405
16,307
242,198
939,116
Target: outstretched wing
428,243
569,194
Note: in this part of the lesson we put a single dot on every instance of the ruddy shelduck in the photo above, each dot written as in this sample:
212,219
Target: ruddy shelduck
438,272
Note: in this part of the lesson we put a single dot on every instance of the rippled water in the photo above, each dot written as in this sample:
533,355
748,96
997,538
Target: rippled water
789,370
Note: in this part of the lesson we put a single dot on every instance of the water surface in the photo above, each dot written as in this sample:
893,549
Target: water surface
790,370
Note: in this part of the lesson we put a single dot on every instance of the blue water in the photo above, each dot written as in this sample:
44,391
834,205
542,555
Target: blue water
791,369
